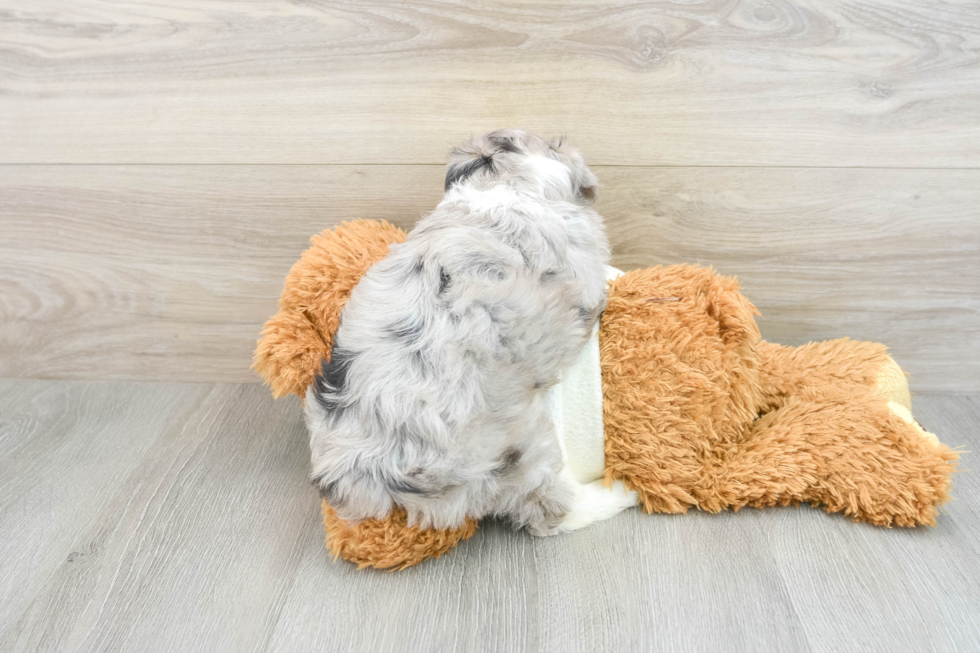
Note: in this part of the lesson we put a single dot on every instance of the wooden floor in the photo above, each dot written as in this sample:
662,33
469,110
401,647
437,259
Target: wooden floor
178,517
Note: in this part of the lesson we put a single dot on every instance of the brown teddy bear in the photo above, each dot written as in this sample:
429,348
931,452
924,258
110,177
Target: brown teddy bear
697,410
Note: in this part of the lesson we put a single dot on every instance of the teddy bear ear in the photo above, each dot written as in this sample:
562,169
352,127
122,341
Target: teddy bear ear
297,339
289,353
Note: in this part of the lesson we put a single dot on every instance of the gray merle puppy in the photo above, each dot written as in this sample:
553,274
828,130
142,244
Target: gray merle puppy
434,396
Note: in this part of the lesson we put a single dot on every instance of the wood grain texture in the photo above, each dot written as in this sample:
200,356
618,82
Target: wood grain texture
168,272
714,82
62,450
200,532
150,525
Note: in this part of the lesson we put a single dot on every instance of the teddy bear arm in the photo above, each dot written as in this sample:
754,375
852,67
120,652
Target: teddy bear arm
679,378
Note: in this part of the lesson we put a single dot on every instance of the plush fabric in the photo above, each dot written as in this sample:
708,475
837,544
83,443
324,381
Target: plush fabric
389,543
698,410
680,380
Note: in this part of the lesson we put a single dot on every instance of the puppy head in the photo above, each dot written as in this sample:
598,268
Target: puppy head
552,169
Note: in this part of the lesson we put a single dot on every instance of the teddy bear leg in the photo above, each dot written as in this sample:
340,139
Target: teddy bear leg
848,453
785,372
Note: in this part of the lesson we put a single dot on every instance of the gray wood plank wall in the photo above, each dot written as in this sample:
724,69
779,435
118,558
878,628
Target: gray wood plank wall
827,153
800,82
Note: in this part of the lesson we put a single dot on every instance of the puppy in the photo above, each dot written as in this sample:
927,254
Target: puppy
433,397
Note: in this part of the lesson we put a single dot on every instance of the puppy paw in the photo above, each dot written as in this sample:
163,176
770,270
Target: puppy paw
548,507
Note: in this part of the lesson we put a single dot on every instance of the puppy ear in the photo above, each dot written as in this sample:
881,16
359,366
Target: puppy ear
588,186
585,183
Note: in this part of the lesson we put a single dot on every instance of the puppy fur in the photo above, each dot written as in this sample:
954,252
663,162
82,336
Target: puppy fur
433,398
